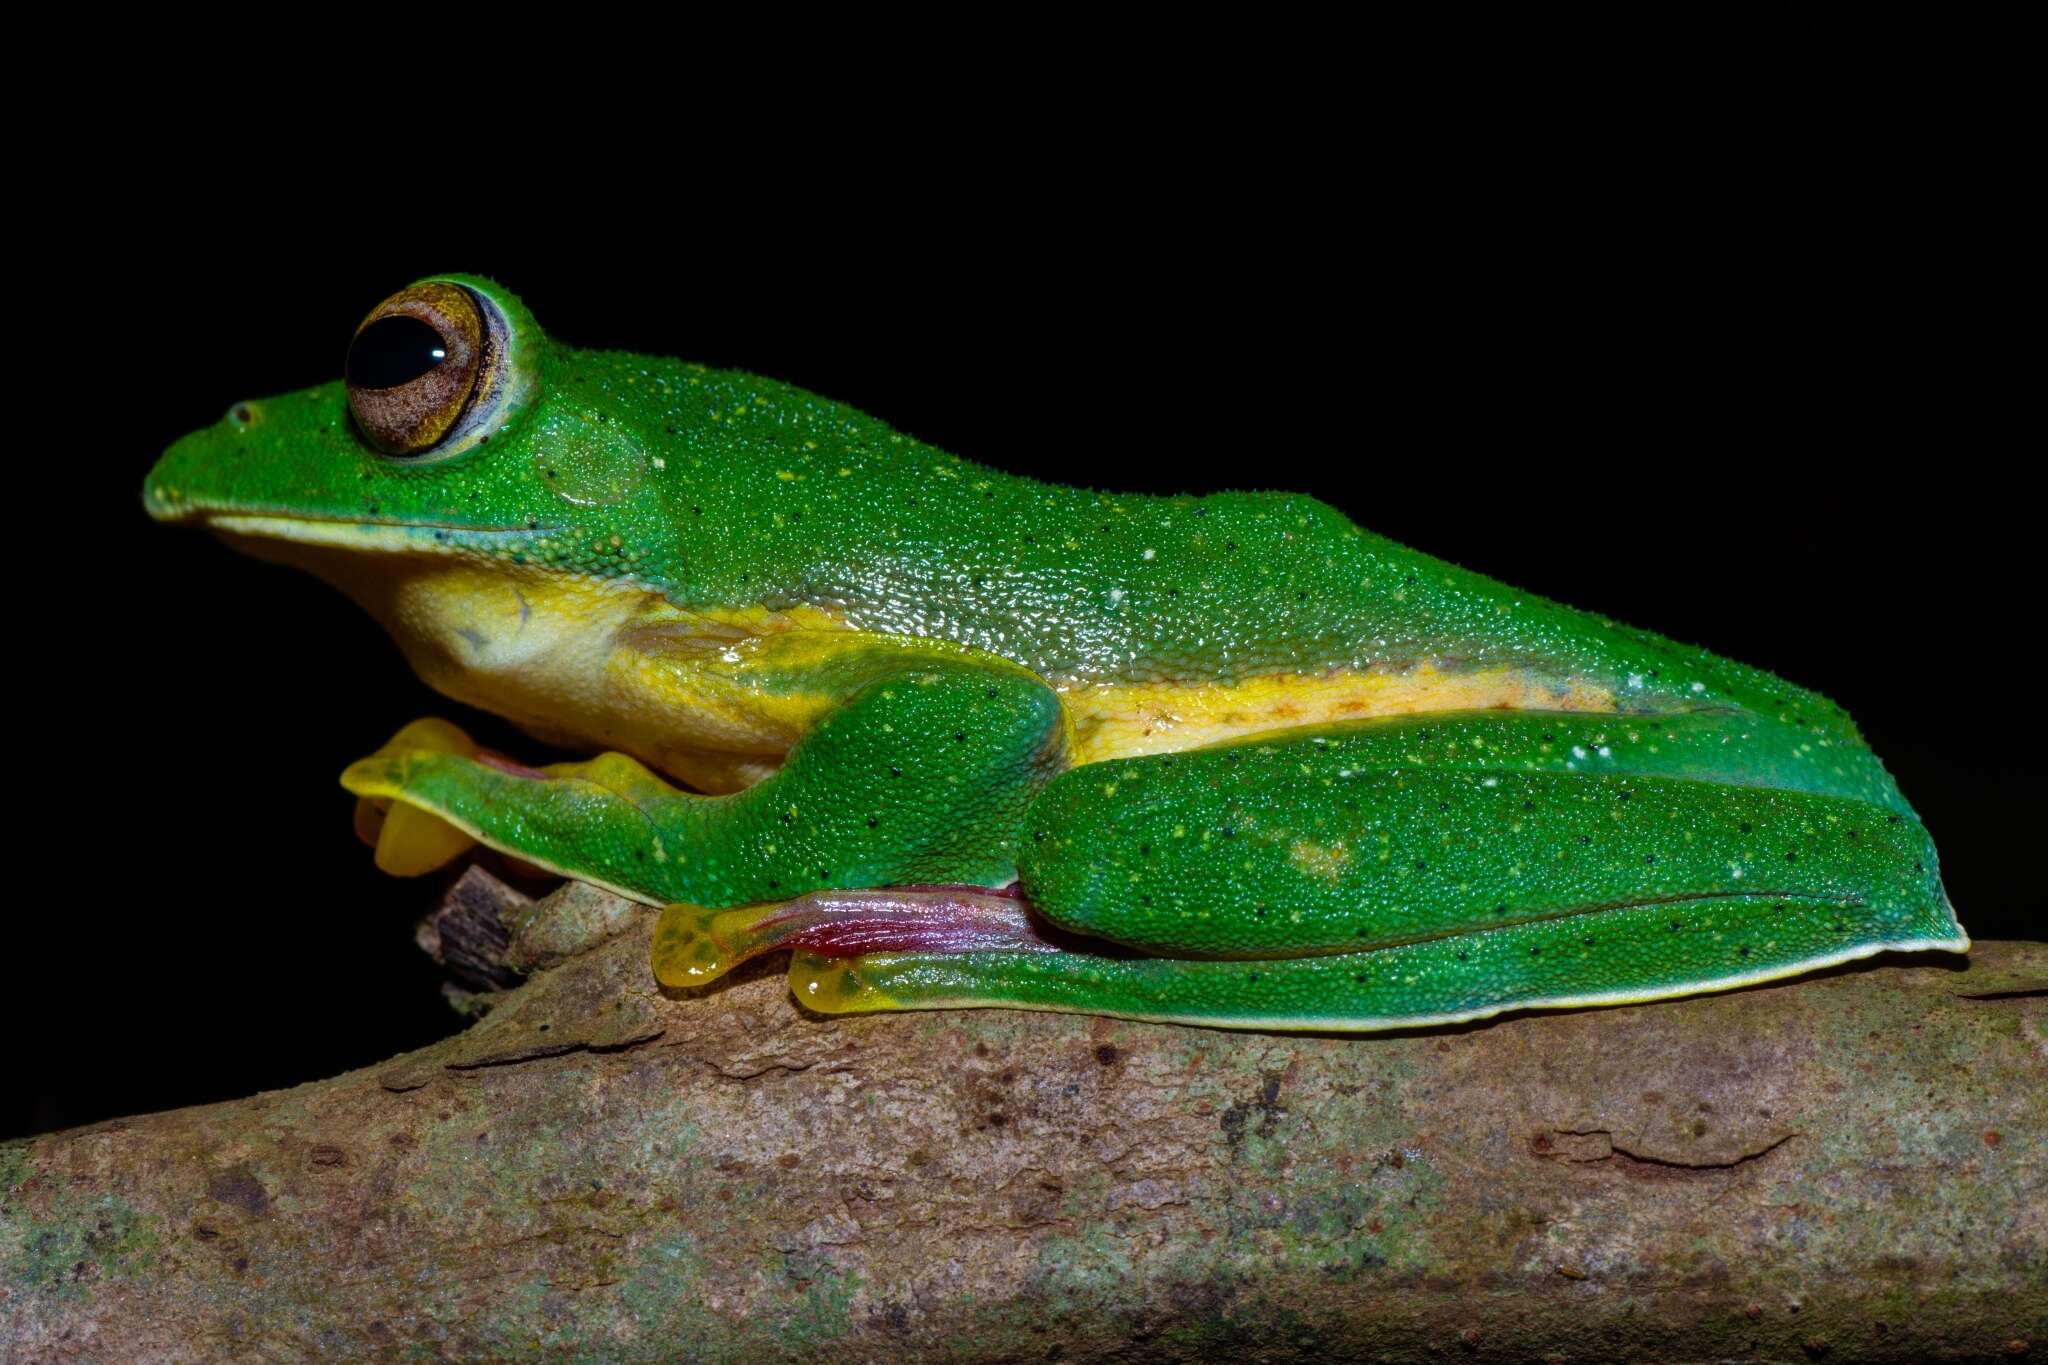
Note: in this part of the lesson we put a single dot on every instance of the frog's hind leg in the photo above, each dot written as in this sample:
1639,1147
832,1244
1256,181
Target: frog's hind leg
922,777
1619,956
1447,868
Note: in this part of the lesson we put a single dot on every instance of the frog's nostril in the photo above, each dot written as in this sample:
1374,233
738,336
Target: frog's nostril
242,414
161,501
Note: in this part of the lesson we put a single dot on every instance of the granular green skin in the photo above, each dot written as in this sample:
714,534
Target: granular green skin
901,637
768,495
1343,842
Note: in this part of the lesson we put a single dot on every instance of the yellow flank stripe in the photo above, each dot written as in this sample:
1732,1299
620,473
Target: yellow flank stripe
717,696
1120,720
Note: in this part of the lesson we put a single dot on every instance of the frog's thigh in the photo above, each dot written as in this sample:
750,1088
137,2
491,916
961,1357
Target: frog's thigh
920,777
1338,841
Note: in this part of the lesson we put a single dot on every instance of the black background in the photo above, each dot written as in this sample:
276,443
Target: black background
1728,328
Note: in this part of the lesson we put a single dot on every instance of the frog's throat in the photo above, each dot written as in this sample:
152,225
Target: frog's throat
478,621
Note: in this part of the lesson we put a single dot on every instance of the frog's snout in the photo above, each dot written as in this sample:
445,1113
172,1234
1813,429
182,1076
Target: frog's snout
168,493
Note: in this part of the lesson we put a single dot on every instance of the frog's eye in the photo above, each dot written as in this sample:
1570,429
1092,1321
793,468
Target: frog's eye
425,369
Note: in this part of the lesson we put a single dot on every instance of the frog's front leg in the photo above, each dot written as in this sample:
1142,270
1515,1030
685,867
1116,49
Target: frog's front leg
920,777
1397,873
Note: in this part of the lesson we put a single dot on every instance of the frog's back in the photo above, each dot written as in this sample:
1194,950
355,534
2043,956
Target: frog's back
1168,621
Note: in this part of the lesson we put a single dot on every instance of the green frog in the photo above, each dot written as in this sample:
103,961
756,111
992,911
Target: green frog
958,738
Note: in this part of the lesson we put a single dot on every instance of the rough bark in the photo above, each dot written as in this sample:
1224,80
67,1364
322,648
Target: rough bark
1853,1166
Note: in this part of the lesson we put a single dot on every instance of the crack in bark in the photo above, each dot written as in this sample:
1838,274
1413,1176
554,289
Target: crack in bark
542,1051
1545,1148
728,1073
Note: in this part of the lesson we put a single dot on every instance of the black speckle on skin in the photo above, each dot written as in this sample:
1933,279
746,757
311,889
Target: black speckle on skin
1106,1055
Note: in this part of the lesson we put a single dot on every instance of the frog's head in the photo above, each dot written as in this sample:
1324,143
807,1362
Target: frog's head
436,374
444,482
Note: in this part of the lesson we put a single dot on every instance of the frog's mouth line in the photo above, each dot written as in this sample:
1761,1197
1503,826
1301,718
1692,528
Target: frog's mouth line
357,533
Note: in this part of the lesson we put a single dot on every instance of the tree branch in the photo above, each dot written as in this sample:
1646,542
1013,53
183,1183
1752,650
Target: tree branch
1852,1166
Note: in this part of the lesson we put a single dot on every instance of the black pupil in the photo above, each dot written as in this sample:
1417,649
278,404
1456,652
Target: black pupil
392,351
